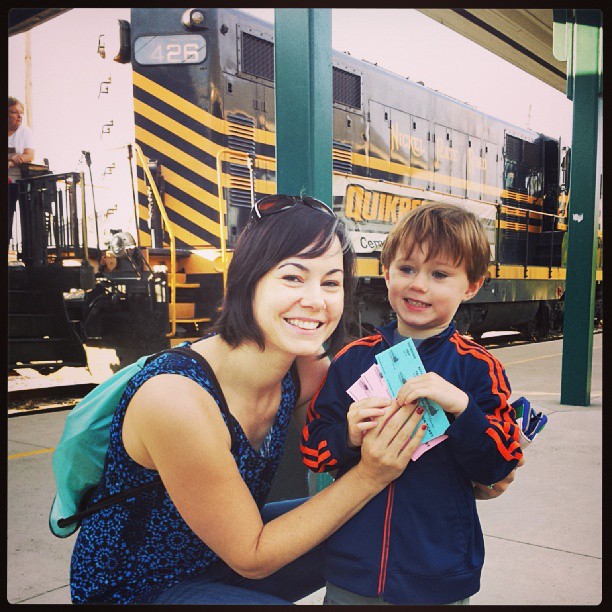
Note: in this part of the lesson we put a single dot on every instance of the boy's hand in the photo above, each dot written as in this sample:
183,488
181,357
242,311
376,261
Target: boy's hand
363,416
484,492
433,387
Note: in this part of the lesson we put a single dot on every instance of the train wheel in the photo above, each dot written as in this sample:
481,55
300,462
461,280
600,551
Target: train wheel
529,331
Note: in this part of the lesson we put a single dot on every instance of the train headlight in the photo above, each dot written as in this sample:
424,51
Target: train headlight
120,243
193,19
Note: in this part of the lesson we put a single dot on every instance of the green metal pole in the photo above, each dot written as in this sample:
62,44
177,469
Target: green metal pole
582,215
303,96
304,125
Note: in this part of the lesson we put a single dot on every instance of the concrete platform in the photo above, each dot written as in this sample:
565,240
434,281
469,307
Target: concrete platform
543,537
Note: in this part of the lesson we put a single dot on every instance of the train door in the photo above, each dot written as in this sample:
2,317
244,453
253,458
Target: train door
551,183
458,146
379,139
490,180
419,152
474,168
442,158
249,102
400,145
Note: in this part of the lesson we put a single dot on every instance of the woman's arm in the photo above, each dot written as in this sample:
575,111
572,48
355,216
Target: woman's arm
174,426
26,157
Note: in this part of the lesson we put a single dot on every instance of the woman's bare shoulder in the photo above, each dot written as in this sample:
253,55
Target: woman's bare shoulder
172,407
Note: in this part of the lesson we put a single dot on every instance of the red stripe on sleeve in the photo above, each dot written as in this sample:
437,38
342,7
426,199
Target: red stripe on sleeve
503,427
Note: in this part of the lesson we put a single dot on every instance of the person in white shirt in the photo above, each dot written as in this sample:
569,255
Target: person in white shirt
20,151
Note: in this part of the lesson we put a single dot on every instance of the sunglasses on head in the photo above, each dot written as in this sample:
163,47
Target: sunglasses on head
277,203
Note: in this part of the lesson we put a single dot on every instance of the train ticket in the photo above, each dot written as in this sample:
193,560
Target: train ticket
398,364
425,446
374,378
370,384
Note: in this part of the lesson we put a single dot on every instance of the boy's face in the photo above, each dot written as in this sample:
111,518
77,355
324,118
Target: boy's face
425,294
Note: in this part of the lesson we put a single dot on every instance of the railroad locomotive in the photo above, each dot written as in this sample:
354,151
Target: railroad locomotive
203,95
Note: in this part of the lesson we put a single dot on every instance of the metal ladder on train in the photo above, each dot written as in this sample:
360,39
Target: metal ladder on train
181,309
179,312
41,333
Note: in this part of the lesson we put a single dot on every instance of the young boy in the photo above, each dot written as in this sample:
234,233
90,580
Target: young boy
419,541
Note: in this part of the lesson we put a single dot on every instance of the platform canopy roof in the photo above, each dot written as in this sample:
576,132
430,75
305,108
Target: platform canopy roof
523,37
21,20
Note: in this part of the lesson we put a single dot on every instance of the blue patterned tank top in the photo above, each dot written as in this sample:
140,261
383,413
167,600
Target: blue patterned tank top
132,551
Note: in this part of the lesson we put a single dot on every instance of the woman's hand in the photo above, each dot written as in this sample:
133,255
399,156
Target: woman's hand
363,416
387,448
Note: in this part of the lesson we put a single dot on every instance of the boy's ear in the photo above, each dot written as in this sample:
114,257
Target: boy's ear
473,289
386,275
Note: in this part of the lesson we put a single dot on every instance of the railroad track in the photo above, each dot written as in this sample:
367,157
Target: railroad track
36,400
41,399
514,339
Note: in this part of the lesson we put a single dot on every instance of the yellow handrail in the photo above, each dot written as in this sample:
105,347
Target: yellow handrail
222,205
162,210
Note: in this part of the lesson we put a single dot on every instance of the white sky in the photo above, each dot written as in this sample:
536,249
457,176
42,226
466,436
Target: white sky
68,111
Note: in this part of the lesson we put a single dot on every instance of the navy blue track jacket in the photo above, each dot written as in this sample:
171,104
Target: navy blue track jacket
419,541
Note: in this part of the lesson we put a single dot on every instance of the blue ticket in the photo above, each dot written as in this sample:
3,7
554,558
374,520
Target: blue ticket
398,364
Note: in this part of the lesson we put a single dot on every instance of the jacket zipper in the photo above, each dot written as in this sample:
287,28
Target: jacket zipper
384,557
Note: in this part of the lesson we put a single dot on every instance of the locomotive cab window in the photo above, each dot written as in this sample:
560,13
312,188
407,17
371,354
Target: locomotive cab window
523,166
173,49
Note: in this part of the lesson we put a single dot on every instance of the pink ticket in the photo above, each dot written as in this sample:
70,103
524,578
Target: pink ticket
358,390
370,384
374,380
423,448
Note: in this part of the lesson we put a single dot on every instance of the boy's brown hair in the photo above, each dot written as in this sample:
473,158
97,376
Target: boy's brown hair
440,228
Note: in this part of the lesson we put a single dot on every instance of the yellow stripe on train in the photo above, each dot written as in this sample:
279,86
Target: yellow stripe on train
191,110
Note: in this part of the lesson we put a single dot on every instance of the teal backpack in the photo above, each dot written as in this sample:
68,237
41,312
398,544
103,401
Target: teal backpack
78,460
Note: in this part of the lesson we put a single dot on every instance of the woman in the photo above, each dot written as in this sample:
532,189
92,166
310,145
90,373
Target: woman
20,138
205,536
20,151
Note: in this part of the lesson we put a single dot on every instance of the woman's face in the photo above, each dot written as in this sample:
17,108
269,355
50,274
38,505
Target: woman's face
15,117
299,302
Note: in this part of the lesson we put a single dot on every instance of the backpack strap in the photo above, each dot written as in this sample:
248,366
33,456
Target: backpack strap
201,361
156,482
109,501
129,493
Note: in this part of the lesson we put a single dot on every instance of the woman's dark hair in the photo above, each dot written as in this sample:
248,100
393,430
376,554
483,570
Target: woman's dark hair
262,245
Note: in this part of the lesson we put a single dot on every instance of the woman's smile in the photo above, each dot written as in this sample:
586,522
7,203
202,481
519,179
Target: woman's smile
305,324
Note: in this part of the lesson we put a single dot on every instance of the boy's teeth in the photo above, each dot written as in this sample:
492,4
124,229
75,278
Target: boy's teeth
415,302
303,324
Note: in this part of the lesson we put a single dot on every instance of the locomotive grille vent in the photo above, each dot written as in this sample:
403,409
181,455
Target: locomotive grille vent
240,197
257,57
342,157
239,170
347,88
240,137
241,133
